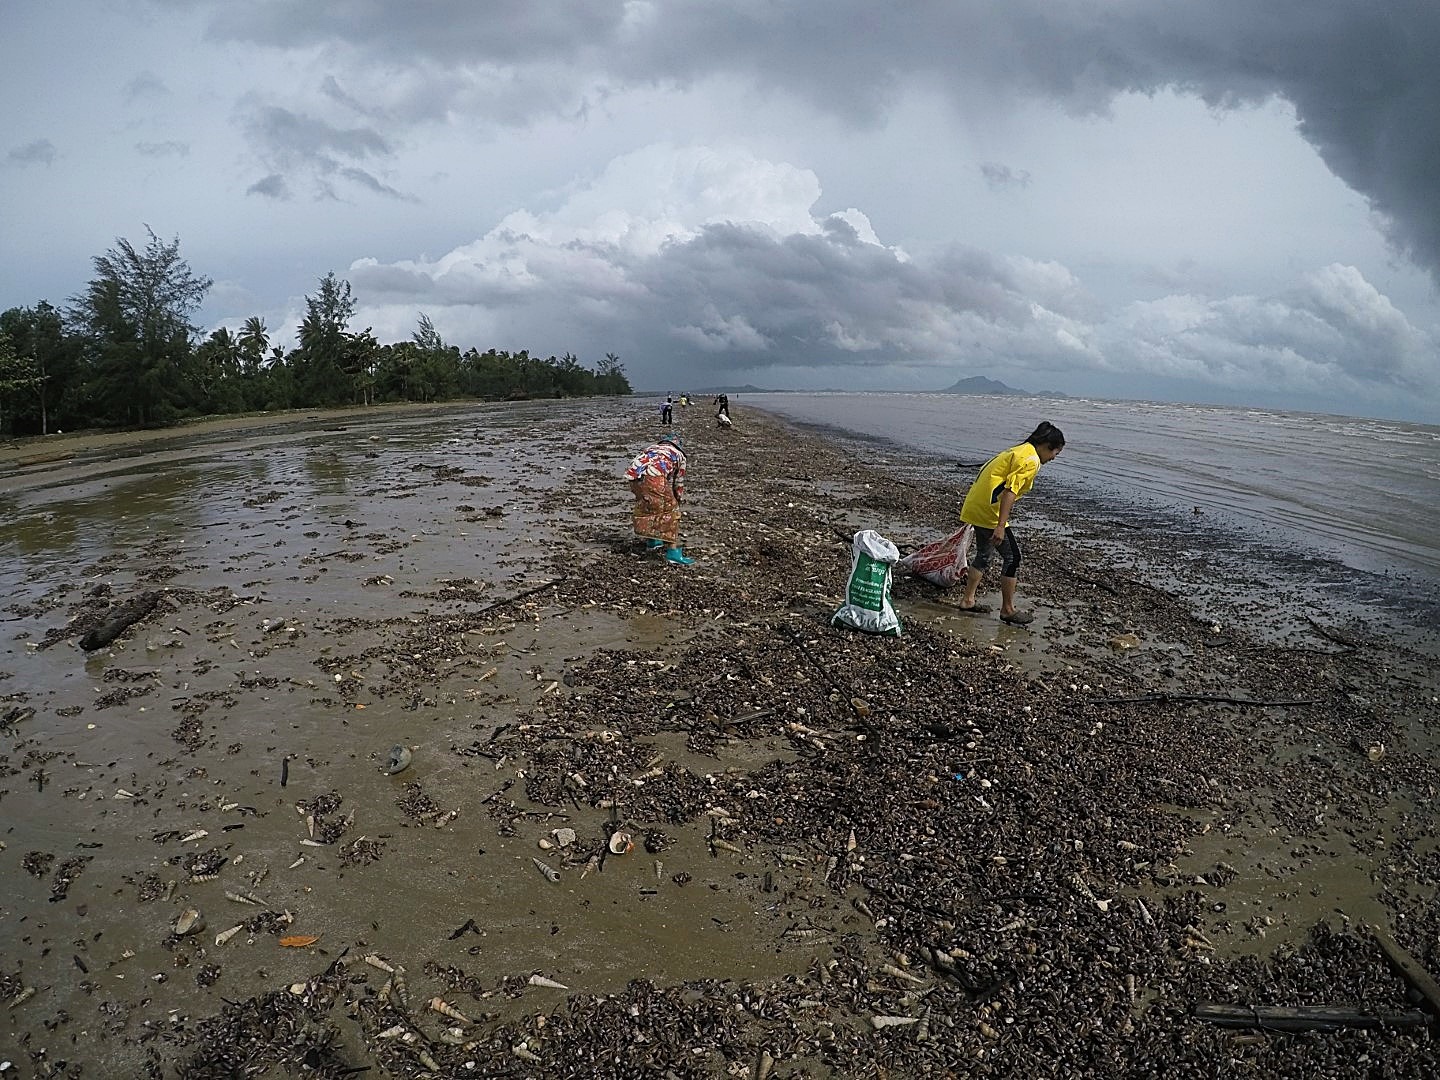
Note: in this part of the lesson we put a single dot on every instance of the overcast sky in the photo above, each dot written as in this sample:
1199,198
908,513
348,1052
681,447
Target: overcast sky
1227,200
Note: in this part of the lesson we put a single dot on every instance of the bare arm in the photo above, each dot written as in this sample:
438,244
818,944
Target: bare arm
1007,500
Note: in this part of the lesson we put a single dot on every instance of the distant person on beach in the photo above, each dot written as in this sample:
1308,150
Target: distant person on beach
722,402
1002,480
657,480
667,411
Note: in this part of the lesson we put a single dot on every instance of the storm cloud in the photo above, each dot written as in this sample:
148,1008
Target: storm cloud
1360,75
1124,196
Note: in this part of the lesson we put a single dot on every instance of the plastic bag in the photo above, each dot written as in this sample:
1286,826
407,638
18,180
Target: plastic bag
943,562
867,597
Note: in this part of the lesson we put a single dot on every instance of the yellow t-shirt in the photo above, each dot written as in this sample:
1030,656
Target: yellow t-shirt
1014,469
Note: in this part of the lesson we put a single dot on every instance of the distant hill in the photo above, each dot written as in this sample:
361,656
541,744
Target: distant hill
746,389
979,384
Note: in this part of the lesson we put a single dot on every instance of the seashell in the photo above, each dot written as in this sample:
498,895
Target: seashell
541,980
1375,751
228,805
197,879
524,1053
392,1032
725,845
445,818
298,989
564,837
551,874
621,843
296,863
121,793
852,843
425,1059
240,898
189,922
380,963
198,834
895,972
659,870
543,844
1121,642
225,935
399,988
922,1029
23,996
988,1031
444,1008
397,761
310,824
311,843
878,1022
590,866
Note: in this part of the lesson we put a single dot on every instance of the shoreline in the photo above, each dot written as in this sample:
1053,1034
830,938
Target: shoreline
954,828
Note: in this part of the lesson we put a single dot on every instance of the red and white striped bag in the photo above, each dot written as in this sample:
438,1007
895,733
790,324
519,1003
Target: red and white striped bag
942,563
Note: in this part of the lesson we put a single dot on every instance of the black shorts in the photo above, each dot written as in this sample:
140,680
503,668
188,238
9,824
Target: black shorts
1009,550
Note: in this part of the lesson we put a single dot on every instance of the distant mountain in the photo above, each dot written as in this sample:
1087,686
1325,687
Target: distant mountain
978,384
746,389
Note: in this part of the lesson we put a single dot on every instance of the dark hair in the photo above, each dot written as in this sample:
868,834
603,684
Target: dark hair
1047,434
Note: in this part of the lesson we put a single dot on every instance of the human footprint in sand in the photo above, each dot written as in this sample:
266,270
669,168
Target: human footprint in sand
1002,480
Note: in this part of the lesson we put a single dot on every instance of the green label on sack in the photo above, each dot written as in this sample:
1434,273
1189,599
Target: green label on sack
867,583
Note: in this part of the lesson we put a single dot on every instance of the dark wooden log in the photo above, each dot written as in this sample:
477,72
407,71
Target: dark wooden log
1409,968
1304,1017
120,618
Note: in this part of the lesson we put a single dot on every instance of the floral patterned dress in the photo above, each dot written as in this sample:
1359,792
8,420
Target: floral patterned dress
657,480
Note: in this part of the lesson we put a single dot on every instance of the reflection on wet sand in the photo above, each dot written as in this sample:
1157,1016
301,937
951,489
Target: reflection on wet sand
652,818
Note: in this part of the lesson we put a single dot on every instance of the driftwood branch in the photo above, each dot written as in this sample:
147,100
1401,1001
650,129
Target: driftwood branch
519,596
1161,696
1304,1017
120,618
1333,635
1409,968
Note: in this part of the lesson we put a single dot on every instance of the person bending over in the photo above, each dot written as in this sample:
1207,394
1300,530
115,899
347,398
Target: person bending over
1002,480
657,480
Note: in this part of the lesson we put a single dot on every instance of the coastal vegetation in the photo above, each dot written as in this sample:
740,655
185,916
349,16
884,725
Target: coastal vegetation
125,353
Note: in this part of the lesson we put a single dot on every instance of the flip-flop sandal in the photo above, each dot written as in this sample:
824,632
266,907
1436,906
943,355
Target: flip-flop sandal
1018,618
977,609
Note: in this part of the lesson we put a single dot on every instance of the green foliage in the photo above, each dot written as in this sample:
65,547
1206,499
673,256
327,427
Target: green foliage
135,317
38,335
126,354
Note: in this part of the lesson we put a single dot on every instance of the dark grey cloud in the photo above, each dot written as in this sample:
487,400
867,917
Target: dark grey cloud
370,182
146,84
39,152
1360,74
1002,176
272,187
168,148
293,144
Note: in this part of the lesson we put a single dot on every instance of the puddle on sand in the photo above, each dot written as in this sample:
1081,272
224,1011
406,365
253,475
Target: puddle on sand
359,549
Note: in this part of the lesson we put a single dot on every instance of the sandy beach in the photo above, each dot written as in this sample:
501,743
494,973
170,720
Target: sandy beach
651,821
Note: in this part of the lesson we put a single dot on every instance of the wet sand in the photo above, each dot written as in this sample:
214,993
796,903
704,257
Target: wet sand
972,849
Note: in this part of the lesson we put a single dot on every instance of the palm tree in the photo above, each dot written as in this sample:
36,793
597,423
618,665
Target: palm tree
253,339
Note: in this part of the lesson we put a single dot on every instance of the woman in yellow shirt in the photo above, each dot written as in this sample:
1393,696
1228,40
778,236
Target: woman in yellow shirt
1002,480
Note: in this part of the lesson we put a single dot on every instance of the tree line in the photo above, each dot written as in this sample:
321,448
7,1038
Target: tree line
125,354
